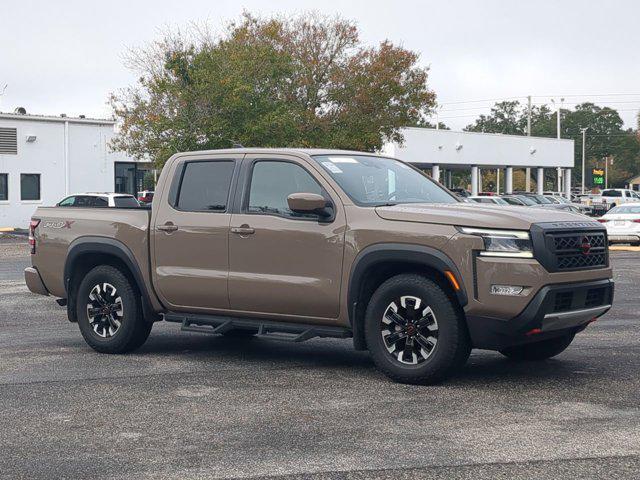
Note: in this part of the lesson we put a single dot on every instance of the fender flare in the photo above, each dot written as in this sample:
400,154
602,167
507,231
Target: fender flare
389,252
108,246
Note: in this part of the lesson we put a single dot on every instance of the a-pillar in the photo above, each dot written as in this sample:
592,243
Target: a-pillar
508,180
435,173
567,183
540,180
474,180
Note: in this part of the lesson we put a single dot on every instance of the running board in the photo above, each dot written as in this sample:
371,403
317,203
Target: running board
274,330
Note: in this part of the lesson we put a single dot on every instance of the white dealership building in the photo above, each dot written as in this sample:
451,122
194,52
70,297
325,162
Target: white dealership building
443,151
44,158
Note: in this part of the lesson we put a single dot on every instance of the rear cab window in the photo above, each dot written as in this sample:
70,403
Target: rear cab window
612,193
204,186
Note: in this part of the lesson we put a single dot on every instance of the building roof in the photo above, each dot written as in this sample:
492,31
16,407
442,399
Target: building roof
53,118
635,179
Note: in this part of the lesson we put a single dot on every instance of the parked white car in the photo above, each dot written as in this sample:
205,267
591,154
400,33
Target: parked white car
99,199
623,224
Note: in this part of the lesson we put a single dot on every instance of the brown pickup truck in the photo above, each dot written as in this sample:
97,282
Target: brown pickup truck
292,244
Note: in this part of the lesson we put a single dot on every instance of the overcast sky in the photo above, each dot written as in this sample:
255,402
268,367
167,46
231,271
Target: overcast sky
66,56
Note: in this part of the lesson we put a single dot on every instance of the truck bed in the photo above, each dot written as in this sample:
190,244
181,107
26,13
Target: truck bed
59,227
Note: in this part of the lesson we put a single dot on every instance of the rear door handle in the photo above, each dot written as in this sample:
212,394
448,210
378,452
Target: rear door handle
167,227
242,230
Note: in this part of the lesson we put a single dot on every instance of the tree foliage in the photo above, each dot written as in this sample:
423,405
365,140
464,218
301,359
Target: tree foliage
605,135
275,82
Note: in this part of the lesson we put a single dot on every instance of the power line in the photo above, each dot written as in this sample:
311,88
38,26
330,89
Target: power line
590,95
480,101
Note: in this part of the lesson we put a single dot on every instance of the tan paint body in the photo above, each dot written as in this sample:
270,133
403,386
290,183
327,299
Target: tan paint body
291,269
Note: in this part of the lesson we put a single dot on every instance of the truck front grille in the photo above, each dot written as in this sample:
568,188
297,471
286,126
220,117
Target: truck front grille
570,246
579,250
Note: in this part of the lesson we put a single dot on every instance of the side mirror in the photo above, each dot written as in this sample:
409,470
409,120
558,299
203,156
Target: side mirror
310,203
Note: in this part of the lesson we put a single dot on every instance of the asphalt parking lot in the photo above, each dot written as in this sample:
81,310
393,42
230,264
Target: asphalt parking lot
195,406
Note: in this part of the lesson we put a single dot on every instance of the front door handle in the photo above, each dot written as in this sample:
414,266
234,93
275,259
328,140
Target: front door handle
167,227
244,230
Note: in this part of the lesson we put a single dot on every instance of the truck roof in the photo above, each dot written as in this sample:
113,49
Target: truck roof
308,151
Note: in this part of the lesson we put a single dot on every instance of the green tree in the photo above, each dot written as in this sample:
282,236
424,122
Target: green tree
505,117
304,82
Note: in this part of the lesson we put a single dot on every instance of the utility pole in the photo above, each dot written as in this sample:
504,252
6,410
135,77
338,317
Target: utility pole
559,136
606,172
527,175
584,142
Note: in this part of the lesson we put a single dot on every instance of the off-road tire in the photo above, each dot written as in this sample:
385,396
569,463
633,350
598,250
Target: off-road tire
133,330
453,343
539,350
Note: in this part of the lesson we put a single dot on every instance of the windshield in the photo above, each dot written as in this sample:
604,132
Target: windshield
624,209
374,181
527,201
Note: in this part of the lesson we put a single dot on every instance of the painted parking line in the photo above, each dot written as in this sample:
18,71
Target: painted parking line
624,248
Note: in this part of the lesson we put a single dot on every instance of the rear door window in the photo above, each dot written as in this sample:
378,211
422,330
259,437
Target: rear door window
125,202
100,202
205,186
83,201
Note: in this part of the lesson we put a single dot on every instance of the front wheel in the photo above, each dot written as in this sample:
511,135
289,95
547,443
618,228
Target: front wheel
539,350
109,311
414,332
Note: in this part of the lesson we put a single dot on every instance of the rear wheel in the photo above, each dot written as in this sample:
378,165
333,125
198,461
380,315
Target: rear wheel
109,312
414,332
539,350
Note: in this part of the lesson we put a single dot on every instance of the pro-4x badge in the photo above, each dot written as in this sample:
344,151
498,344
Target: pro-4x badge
59,224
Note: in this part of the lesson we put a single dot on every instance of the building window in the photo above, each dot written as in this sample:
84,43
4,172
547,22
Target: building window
29,186
9,141
4,186
125,177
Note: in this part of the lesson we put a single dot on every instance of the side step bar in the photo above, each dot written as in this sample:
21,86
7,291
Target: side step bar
283,331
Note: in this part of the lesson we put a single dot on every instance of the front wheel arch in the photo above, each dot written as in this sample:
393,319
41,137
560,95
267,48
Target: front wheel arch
377,263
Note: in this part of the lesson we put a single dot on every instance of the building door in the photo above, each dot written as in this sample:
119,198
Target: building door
125,177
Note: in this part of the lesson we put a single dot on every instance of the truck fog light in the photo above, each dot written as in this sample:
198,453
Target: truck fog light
512,290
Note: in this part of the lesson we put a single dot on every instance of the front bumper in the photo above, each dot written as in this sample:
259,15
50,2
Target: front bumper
554,310
34,281
623,238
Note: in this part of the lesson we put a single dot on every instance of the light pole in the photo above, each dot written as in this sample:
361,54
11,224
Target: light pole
584,142
558,132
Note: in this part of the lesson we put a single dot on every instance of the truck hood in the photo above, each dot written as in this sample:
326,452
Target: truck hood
468,215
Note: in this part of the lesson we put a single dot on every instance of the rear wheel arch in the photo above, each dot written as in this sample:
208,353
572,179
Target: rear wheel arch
379,262
86,253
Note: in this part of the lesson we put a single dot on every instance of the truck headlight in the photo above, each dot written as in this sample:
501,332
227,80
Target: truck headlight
503,243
